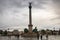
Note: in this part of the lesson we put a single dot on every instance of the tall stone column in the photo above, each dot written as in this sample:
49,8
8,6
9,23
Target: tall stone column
30,18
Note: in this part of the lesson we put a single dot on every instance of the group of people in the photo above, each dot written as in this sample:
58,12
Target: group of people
41,36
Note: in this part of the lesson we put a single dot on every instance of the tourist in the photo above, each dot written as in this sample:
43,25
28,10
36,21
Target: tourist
37,35
47,36
41,37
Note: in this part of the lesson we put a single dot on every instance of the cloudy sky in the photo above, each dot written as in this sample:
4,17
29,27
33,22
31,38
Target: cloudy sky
14,14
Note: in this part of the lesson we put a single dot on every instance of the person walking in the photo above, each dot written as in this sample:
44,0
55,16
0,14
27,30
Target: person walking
37,35
46,36
41,37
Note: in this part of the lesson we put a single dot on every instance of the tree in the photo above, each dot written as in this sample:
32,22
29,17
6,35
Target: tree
43,32
1,31
59,32
25,30
47,31
5,33
35,30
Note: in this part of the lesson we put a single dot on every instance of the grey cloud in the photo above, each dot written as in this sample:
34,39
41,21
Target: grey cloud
56,1
56,7
10,8
56,18
6,4
20,3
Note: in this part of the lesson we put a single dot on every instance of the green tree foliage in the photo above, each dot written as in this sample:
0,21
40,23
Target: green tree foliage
25,30
1,31
35,30
5,33
59,32
47,31
43,32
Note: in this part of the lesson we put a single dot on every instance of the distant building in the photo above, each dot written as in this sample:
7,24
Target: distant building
9,33
55,32
15,32
21,32
59,31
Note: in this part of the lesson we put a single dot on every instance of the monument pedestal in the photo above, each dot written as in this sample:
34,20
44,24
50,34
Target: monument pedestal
32,34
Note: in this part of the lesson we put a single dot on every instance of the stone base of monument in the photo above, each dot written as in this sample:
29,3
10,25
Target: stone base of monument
29,34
